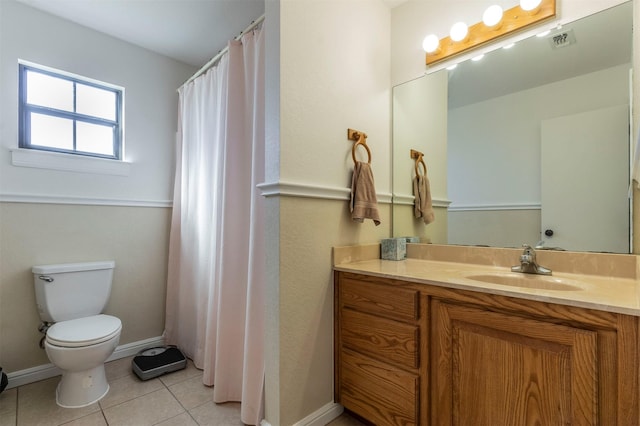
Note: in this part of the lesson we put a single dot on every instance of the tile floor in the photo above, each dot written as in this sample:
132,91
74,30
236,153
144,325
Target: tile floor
177,399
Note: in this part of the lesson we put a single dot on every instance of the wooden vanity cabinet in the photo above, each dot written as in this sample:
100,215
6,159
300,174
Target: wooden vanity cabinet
380,343
410,353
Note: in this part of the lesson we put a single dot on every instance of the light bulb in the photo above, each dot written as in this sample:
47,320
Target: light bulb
531,6
492,16
459,31
431,44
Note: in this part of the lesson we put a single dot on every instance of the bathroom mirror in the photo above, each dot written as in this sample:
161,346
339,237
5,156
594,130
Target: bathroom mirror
527,145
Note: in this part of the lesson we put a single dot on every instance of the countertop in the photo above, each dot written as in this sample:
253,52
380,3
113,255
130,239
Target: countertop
611,294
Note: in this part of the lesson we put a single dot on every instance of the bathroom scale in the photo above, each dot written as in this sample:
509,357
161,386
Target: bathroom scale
154,362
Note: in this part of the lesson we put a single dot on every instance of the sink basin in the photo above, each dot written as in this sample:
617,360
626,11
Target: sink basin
541,282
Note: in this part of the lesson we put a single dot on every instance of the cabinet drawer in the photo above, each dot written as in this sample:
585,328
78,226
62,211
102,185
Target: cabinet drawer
378,392
378,299
385,339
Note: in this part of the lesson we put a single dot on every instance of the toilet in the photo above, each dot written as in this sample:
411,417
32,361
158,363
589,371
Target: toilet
79,338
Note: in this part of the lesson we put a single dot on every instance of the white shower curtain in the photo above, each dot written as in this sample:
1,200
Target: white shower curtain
215,291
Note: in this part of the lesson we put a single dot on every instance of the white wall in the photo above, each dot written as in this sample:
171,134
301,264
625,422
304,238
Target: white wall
331,64
494,148
150,81
49,216
415,19
420,123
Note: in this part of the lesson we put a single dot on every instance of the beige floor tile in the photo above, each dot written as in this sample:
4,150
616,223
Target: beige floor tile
149,409
8,408
183,419
118,368
95,419
8,400
180,375
212,414
191,392
8,419
126,388
37,405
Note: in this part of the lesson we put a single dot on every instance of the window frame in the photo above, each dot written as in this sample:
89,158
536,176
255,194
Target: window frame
25,109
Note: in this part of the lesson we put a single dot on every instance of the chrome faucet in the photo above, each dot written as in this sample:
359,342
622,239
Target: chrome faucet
528,263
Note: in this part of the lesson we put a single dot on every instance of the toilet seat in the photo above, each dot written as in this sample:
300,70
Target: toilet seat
85,331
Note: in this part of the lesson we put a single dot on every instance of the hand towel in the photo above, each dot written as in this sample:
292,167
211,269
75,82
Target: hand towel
364,203
423,207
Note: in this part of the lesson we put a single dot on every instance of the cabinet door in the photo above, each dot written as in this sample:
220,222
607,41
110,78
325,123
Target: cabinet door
498,369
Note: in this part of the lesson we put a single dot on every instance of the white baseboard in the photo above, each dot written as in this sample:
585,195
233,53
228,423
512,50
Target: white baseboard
129,349
46,371
320,417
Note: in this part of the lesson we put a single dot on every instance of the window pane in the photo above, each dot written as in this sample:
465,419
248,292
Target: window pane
94,138
95,102
48,91
53,132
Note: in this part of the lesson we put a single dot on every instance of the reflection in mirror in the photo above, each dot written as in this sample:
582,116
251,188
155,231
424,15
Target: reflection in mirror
530,144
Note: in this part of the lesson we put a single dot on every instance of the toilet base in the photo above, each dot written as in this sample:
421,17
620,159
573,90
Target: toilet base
81,388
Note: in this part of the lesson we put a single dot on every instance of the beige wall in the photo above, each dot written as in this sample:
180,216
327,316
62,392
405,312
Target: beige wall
312,228
136,238
405,224
330,61
496,228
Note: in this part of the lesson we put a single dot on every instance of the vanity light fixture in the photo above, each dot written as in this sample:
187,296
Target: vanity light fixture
531,6
463,38
431,44
459,32
477,58
508,46
492,17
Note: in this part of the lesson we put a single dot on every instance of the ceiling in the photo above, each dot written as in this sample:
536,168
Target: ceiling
190,31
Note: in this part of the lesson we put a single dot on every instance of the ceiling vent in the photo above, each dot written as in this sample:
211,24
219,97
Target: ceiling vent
562,39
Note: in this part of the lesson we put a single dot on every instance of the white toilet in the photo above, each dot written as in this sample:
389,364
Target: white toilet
72,296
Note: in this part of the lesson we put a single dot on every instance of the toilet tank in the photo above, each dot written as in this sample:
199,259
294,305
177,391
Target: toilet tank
72,290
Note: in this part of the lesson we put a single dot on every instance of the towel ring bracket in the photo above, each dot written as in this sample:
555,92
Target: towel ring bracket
361,139
417,155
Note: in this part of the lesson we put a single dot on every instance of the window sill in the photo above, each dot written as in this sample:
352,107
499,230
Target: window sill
68,162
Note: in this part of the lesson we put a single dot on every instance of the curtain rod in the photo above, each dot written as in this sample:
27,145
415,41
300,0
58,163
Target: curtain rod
215,59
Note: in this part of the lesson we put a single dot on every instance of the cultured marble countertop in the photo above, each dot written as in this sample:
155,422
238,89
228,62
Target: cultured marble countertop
612,294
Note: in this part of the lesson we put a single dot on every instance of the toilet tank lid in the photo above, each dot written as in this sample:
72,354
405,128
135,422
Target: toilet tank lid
73,267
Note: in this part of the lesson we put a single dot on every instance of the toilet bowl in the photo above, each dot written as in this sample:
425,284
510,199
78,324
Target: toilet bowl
79,338
79,348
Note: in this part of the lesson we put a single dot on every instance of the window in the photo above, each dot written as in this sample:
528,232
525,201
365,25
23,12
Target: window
66,113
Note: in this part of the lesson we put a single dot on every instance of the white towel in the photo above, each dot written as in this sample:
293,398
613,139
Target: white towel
423,206
364,203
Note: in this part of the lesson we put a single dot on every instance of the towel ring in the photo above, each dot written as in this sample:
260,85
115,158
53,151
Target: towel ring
353,150
417,155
